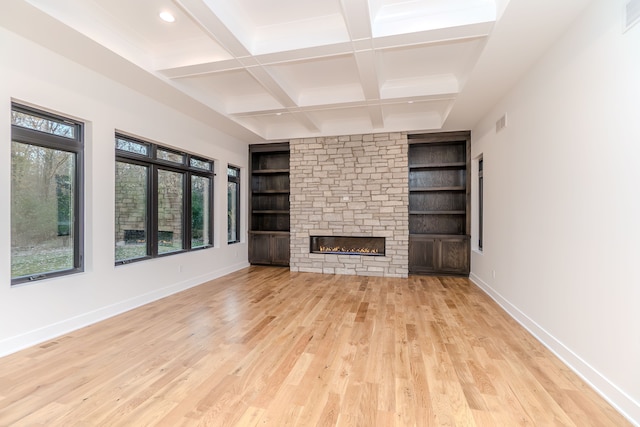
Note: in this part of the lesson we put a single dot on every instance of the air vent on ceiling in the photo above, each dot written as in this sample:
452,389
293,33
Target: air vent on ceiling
501,123
631,14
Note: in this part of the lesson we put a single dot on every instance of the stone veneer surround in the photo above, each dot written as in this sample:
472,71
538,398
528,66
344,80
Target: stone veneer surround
354,185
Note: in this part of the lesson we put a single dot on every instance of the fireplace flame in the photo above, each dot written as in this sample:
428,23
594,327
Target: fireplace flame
342,249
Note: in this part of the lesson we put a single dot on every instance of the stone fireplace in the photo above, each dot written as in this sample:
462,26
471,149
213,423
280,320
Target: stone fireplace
350,187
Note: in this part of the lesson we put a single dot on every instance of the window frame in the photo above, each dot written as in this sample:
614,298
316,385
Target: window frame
75,146
480,203
155,164
236,180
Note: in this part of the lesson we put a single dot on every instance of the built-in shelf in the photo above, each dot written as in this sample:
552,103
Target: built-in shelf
279,233
439,203
270,192
427,189
437,212
427,166
269,204
269,171
437,235
271,211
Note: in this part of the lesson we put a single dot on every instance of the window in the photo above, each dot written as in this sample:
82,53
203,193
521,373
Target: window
164,200
200,211
480,202
46,195
132,210
233,204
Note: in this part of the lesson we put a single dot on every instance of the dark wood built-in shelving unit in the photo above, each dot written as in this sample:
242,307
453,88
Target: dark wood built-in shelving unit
269,204
439,203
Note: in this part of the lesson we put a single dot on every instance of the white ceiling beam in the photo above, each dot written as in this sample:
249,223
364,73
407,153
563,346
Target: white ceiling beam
305,54
306,121
443,35
213,25
272,86
366,63
376,115
199,69
356,15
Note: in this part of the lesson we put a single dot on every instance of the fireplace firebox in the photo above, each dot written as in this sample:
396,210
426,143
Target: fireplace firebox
345,245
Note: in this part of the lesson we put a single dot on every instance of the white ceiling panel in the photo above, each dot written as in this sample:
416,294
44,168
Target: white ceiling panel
320,31
426,115
236,91
337,121
450,57
320,81
281,25
185,52
276,12
279,126
393,17
420,86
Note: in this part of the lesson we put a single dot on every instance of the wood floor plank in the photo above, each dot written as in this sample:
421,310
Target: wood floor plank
268,347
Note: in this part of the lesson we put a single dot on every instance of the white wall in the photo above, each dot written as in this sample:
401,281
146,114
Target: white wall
562,202
38,311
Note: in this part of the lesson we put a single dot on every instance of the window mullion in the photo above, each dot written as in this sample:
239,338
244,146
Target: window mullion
153,210
212,179
78,211
186,212
41,139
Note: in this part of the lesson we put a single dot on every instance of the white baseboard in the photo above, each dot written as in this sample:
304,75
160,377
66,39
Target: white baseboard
620,400
49,332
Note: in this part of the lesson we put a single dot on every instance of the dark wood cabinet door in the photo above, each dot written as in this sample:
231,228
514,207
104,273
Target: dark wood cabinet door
280,249
269,248
259,248
454,255
438,254
422,254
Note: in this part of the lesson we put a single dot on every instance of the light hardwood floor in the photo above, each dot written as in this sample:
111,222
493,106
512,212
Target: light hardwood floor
265,346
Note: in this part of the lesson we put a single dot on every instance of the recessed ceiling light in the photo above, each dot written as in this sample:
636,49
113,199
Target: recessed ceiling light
409,102
167,17
278,114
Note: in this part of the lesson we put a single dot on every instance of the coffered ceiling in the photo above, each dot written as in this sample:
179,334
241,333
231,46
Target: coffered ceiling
302,68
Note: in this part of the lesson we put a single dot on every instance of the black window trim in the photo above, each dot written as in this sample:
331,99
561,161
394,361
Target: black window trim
187,218
480,203
155,164
235,179
70,145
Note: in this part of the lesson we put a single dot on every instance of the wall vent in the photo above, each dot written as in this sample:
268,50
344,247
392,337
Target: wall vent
501,123
631,14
